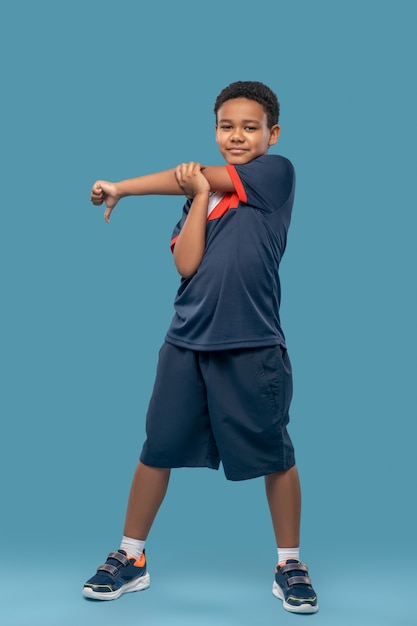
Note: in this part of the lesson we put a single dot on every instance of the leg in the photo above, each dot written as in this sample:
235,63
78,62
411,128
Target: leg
122,573
147,492
284,499
292,584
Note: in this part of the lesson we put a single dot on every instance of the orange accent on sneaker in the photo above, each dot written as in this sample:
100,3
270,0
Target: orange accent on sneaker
138,562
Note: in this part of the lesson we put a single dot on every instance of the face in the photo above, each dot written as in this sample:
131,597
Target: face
242,132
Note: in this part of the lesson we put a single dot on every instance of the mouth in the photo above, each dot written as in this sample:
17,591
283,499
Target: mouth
237,151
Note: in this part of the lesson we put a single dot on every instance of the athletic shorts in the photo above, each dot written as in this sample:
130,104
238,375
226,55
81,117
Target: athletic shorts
229,406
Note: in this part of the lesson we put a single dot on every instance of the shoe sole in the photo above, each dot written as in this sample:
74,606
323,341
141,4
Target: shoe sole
301,608
135,585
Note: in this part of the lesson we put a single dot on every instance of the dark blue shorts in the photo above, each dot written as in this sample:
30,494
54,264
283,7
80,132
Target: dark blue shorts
229,406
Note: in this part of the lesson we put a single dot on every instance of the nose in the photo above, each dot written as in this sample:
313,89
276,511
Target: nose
236,134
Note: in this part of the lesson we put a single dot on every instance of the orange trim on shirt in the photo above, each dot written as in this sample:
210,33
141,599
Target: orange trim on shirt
173,243
229,201
240,190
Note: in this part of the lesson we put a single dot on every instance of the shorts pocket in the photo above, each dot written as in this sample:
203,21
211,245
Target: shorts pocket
274,380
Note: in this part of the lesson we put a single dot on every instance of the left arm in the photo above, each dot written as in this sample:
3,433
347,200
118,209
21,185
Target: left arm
189,247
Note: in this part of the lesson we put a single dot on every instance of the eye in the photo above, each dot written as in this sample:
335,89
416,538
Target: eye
225,127
250,128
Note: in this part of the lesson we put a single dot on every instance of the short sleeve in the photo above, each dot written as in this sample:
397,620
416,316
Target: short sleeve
266,183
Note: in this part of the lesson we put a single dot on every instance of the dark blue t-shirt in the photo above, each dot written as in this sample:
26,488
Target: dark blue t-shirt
233,299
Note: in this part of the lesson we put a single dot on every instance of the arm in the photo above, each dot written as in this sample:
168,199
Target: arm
218,178
161,183
189,247
197,181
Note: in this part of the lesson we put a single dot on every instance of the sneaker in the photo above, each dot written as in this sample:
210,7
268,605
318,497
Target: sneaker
118,575
293,586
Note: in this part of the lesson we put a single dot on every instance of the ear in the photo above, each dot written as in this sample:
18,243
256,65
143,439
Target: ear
274,135
215,130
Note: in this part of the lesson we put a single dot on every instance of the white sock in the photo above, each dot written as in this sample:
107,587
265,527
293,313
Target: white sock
132,547
288,553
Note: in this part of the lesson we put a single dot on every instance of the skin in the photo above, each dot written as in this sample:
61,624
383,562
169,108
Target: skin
242,134
189,247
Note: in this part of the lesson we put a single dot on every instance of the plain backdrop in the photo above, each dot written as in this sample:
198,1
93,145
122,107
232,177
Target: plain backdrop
117,89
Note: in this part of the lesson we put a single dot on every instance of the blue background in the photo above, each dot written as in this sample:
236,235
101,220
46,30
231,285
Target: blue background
113,90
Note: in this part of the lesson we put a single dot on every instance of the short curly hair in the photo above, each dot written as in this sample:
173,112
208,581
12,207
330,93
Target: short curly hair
252,90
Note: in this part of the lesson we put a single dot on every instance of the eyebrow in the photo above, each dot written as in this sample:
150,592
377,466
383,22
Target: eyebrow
243,121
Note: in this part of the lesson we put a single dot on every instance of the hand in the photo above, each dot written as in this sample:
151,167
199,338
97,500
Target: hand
104,191
191,179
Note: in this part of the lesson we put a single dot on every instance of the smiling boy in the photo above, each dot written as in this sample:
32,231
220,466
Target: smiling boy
223,385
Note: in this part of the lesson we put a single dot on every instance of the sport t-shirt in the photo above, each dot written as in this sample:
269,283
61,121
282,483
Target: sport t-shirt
233,299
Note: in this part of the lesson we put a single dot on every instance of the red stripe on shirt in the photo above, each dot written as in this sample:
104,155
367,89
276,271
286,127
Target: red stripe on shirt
173,243
240,190
229,201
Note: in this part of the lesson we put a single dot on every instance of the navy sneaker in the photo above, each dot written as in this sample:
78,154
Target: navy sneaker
118,575
292,585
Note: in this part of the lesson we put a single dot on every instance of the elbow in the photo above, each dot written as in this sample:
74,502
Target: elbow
187,259
186,265
185,269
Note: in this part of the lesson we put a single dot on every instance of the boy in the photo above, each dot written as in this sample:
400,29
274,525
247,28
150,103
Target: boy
223,384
